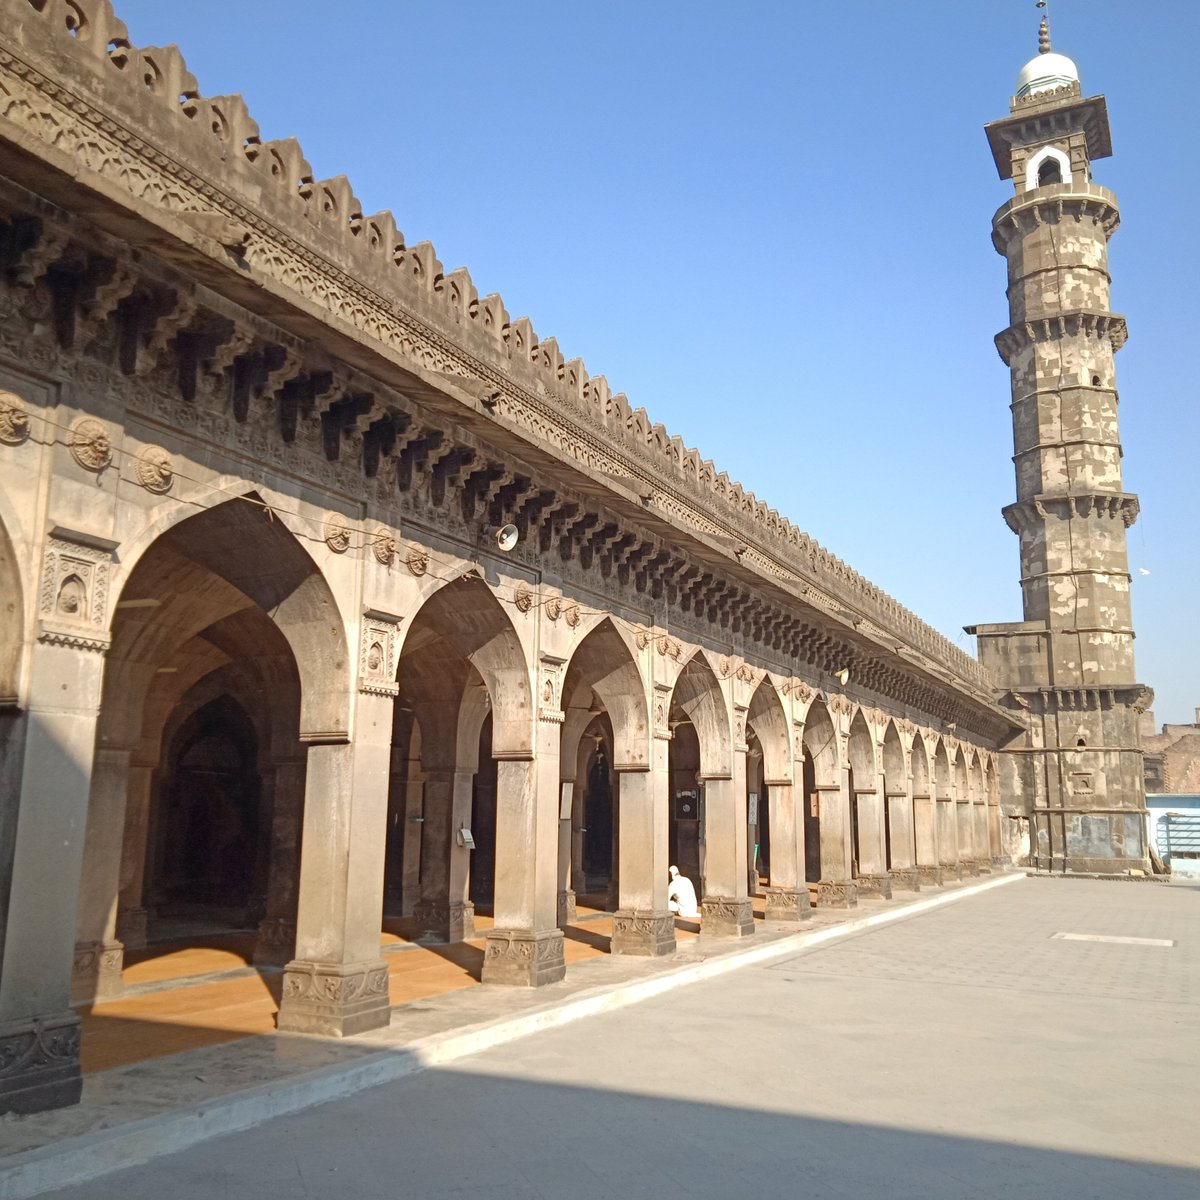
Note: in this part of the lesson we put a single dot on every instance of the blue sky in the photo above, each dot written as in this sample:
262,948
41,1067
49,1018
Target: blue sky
769,224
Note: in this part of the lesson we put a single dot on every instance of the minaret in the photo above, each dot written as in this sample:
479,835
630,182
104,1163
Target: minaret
1067,669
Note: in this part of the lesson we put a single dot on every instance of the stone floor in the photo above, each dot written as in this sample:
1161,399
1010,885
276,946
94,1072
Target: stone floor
966,1054
236,1077
188,994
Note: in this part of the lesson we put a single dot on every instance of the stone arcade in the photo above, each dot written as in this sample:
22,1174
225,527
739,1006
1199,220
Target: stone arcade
263,659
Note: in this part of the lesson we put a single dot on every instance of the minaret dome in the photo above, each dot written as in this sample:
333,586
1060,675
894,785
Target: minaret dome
1048,70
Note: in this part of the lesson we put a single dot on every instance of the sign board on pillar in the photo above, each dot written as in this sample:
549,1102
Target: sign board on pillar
686,807
752,809
466,838
565,801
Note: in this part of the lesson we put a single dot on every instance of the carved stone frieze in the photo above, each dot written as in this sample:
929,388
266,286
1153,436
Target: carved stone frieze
383,546
377,655
523,958
334,999
836,893
877,887
662,709
14,419
337,533
96,971
787,904
723,916
550,679
641,932
90,444
73,597
154,470
39,1063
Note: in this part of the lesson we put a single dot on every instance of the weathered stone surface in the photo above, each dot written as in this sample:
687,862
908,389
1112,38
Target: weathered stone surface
724,917
787,904
334,999
39,1063
517,958
833,893
647,933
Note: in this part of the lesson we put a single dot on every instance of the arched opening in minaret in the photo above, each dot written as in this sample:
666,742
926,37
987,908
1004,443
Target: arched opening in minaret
1049,172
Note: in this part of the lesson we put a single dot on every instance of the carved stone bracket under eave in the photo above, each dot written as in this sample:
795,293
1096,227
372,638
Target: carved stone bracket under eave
1028,514
1067,324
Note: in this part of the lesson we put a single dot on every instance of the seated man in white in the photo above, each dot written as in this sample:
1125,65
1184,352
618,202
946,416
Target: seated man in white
681,895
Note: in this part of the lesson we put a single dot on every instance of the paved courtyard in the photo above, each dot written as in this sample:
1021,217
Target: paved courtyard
965,1052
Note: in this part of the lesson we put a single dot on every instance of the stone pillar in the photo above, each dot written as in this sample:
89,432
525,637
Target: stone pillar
643,923
726,910
131,905
947,835
39,1033
979,834
526,946
929,870
462,911
276,944
432,909
337,984
962,827
787,893
872,878
837,888
995,842
99,956
567,910
414,818
903,869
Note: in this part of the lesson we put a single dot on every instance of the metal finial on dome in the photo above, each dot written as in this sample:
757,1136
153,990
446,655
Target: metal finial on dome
1044,30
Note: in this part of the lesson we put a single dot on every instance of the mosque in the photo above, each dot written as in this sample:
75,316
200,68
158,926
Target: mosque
338,601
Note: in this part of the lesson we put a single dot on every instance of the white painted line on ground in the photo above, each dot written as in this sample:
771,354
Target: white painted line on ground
1119,941
101,1151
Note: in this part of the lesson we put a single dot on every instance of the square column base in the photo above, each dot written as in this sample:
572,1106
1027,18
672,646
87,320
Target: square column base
96,972
131,928
968,868
276,944
788,904
952,872
523,958
567,912
643,931
334,999
441,921
722,917
878,887
837,893
39,1064
905,879
1001,862
930,876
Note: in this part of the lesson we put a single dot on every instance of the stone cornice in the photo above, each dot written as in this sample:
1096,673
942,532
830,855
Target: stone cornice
1077,323
1054,203
116,114
1028,514
1047,114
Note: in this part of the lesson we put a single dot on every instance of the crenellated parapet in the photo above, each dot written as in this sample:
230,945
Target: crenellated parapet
132,125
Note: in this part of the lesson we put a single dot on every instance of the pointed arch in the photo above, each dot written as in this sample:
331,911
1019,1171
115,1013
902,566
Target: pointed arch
895,770
602,664
921,775
770,725
460,628
820,744
860,750
698,695
211,565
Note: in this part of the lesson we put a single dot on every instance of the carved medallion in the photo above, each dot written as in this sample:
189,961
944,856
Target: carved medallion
14,419
553,607
154,469
417,562
384,546
337,534
91,445
523,598
572,615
